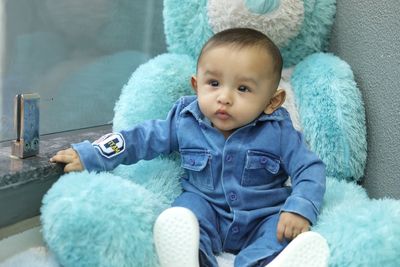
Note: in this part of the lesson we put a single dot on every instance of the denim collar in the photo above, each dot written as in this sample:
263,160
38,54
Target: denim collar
194,109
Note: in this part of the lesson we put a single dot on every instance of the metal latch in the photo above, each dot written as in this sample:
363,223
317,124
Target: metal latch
26,121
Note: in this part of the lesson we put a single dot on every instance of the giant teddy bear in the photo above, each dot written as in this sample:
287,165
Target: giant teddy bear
106,219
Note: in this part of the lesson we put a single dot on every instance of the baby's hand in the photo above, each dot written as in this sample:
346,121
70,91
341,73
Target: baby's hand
291,225
70,158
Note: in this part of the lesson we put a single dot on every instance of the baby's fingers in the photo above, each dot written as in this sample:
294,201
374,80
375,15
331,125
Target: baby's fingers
70,158
289,232
68,151
280,232
72,167
62,158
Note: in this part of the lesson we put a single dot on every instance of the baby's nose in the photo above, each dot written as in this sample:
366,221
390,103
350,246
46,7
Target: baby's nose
224,98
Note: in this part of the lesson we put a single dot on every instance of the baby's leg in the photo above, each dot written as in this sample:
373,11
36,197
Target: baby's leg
308,249
262,245
201,210
210,241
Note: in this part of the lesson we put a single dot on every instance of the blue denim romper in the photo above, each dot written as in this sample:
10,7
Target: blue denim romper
235,186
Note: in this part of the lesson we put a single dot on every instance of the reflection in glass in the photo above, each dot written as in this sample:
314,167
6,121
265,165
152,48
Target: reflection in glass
76,54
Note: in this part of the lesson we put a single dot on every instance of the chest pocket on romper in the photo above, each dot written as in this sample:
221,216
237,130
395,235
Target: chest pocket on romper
197,165
260,168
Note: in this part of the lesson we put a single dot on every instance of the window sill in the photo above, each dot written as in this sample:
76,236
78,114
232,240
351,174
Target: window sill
23,182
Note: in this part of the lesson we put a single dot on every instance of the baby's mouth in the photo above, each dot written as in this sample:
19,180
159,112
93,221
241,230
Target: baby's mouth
222,114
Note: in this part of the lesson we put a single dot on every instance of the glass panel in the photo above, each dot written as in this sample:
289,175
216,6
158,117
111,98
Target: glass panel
76,54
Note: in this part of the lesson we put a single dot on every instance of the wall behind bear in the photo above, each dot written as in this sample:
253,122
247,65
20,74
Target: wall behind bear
366,35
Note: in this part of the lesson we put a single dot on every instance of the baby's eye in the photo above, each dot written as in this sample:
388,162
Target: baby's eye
243,89
213,83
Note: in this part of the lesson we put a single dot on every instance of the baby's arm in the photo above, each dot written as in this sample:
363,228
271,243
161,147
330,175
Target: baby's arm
145,140
307,173
70,158
291,225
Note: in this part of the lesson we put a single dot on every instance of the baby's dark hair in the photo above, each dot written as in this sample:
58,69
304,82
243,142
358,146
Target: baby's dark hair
246,37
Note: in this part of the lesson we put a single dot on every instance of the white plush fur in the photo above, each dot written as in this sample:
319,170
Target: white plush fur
280,25
290,102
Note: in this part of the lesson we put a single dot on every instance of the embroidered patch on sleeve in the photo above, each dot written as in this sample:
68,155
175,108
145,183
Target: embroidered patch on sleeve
110,144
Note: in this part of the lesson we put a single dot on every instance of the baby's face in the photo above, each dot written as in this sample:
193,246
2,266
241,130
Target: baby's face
234,86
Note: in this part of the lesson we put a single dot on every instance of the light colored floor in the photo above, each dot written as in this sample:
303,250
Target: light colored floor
19,237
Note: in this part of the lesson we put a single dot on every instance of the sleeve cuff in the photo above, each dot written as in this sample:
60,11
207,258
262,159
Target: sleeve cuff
301,206
89,156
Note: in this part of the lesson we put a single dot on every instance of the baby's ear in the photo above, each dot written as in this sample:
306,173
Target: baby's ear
276,101
193,82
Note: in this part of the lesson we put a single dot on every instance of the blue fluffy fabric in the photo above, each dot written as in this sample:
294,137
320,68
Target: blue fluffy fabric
97,218
262,7
332,114
186,26
359,231
314,33
160,176
162,81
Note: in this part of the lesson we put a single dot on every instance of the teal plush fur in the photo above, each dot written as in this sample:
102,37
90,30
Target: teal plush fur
360,232
161,81
98,219
326,93
313,36
106,219
186,26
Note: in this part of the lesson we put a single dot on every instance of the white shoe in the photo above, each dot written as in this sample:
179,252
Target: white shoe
308,249
176,238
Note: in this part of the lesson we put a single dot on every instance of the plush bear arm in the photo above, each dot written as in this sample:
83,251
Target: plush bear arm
332,114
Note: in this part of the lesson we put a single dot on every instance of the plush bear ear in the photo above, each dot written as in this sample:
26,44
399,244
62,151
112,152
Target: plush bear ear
276,101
